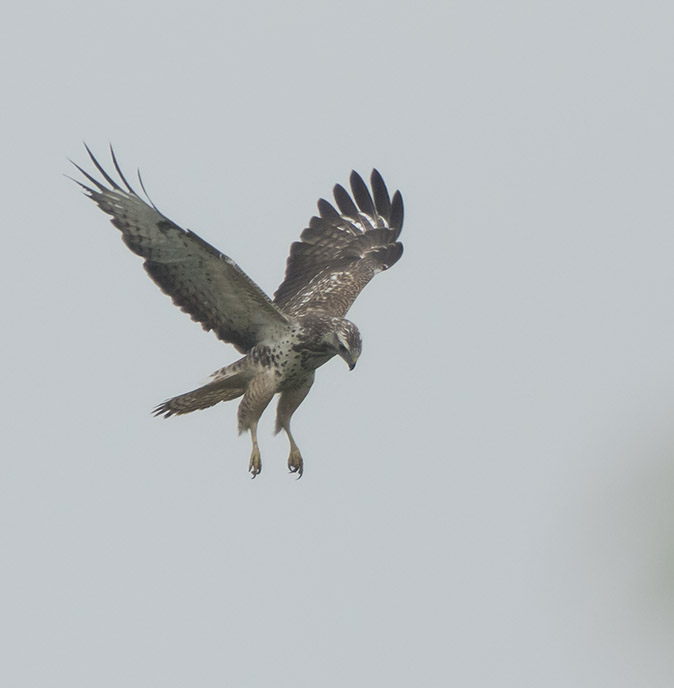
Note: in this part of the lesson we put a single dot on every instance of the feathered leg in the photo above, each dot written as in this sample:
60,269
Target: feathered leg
287,405
258,395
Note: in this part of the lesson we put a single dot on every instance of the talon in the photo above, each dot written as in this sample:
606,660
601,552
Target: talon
255,464
295,463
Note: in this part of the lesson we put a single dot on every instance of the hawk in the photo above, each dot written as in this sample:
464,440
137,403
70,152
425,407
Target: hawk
283,340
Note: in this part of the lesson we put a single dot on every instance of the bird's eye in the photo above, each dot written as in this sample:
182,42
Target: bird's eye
342,347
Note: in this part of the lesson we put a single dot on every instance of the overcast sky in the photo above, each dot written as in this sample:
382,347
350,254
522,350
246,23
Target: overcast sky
488,498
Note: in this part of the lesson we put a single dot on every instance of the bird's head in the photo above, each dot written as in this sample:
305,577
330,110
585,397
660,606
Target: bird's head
347,342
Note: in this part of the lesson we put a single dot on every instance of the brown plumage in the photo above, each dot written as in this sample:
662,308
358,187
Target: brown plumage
287,339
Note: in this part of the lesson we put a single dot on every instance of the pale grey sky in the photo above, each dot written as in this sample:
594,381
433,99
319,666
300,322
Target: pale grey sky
489,497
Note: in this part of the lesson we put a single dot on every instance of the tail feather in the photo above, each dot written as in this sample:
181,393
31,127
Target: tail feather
228,383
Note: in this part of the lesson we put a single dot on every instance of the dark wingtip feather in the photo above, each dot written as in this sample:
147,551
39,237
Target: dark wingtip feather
88,190
382,200
397,213
92,179
326,209
106,176
345,202
119,171
147,195
362,194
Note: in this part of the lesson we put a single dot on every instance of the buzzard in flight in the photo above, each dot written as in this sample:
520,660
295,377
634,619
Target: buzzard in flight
285,339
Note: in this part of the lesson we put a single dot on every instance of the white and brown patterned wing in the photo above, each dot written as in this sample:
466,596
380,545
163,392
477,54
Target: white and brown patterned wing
343,249
200,280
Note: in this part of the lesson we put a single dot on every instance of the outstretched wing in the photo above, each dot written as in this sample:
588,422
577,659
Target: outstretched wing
342,250
201,281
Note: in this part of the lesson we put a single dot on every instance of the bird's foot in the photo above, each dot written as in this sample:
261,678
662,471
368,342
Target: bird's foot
295,463
255,464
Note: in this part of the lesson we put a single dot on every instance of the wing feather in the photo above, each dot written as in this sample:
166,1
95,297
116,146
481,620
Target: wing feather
345,203
341,250
201,281
362,195
382,200
397,213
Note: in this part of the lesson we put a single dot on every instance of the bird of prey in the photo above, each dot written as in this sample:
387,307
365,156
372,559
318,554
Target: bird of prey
285,339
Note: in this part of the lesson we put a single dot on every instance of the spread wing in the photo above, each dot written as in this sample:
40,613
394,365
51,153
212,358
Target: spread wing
342,250
200,280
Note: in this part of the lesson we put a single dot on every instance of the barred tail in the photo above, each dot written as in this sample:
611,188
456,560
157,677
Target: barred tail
226,389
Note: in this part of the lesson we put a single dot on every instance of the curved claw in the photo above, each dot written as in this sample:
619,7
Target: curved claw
255,464
295,463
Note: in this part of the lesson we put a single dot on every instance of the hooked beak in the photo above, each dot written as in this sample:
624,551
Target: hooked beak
350,361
